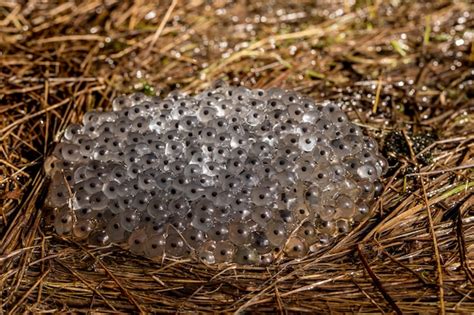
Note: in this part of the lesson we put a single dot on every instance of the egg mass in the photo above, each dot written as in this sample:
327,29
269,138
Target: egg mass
229,175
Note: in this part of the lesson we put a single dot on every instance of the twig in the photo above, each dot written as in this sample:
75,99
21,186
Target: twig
436,250
162,25
377,282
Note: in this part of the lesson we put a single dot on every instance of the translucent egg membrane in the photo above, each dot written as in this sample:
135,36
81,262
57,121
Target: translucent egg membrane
229,175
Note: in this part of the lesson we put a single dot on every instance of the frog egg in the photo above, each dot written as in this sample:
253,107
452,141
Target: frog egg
82,229
261,196
381,164
326,227
58,195
254,117
132,139
206,181
342,226
137,241
192,170
156,207
107,126
98,238
140,201
352,131
138,98
368,171
312,196
175,245
92,185
344,206
63,222
337,117
115,231
361,211
80,199
327,212
311,116
246,256
193,191
121,102
370,143
136,111
224,251
296,247
275,93
206,254
378,188
222,214
265,259
157,124
188,123
129,219
307,142
110,189
70,152
262,150
208,135
194,237
98,201
202,221
121,128
261,215
366,189
87,147
218,232
249,178
323,125
174,149
102,154
261,243
72,131
239,233
50,165
148,161
277,117
341,149
307,231
114,146
155,246
235,166
223,107
232,184
301,211
322,176
58,150
282,164
206,113
276,232
155,227
179,206
84,214
102,140
304,169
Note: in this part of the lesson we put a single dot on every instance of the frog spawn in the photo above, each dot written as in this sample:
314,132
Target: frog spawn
229,175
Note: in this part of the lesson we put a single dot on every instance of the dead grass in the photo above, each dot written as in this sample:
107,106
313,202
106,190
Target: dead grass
408,68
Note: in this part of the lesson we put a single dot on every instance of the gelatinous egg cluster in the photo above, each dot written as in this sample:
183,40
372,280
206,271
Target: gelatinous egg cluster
229,175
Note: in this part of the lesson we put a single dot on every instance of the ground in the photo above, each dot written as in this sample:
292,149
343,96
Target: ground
405,67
